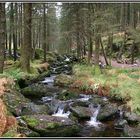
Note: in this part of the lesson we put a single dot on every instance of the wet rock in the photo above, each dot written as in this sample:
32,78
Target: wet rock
107,111
96,100
39,90
63,80
131,131
120,124
28,80
28,132
73,118
80,103
31,108
67,95
81,112
15,101
131,117
47,125
18,105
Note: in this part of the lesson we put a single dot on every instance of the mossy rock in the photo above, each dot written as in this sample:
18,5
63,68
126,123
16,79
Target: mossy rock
38,90
81,112
14,102
132,118
63,80
107,111
131,131
28,80
98,100
31,121
31,109
28,132
12,132
47,125
67,95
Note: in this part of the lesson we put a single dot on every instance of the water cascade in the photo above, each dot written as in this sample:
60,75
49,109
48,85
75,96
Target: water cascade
93,120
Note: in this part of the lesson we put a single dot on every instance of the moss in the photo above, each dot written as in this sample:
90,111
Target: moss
67,95
31,121
123,83
28,132
52,125
10,133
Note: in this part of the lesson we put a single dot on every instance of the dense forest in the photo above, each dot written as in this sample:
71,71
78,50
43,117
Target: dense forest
69,69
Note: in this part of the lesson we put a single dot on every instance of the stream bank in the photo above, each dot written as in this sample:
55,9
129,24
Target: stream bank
48,106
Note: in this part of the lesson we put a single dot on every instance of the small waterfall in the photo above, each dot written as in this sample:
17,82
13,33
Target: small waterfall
46,99
49,80
93,120
105,99
60,112
67,59
121,114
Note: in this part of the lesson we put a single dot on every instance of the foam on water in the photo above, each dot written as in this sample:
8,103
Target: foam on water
46,99
84,97
93,120
67,59
49,79
60,113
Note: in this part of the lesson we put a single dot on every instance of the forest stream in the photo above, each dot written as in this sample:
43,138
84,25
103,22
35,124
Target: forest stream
91,115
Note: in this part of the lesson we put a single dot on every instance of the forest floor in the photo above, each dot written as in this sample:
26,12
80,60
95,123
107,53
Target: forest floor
121,82
115,64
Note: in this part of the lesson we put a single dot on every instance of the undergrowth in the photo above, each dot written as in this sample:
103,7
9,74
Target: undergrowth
120,84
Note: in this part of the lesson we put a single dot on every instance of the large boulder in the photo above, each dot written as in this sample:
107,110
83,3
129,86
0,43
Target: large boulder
28,132
39,90
63,80
18,105
15,102
67,95
47,125
131,131
107,112
27,80
120,124
131,117
81,112
31,108
98,100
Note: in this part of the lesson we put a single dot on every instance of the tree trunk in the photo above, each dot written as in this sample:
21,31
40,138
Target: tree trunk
132,52
44,31
97,48
103,51
11,30
48,30
2,35
122,17
15,33
90,50
21,26
78,33
110,43
26,50
5,28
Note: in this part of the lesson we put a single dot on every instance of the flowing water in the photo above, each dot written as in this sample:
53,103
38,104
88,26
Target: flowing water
90,127
93,120
61,113
49,80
